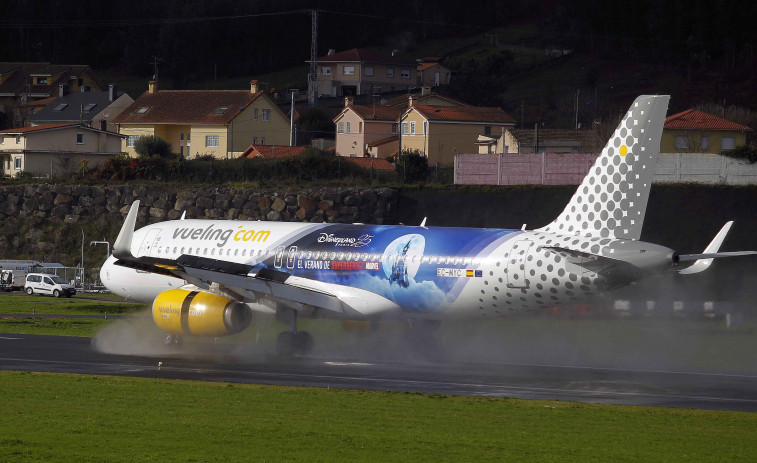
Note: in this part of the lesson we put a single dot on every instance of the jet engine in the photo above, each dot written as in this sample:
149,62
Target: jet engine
199,313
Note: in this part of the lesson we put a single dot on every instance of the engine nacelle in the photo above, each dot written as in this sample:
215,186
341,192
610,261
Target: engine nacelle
199,313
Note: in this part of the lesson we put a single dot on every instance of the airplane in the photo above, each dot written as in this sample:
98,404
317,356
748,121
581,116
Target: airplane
208,277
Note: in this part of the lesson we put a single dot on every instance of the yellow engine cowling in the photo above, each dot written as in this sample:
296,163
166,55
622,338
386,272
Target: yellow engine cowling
199,313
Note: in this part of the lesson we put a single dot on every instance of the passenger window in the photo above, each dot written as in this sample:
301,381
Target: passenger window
333,255
365,256
456,260
341,256
309,254
302,254
317,255
205,251
190,251
349,256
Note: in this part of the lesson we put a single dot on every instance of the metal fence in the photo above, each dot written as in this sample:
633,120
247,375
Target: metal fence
570,169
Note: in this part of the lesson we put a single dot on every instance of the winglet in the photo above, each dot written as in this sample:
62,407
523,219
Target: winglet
423,223
122,246
703,264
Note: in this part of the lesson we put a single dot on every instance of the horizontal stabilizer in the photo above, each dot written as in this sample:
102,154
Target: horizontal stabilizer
704,260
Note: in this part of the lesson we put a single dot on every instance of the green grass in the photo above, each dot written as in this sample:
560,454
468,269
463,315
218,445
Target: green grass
23,304
54,417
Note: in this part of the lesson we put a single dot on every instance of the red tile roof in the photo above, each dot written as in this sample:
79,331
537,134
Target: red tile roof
272,151
187,107
402,100
375,163
693,119
374,113
424,66
364,55
464,114
37,128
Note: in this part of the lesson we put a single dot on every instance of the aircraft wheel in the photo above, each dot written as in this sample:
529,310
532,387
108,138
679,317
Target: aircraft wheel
285,343
29,291
303,342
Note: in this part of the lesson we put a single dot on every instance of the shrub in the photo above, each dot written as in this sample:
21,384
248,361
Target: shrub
412,166
150,145
747,153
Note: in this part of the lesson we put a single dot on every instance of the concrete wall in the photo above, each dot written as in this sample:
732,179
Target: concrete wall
570,169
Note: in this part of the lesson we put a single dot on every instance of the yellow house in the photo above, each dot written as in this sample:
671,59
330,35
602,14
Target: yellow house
693,131
218,123
440,132
361,71
55,150
433,74
358,127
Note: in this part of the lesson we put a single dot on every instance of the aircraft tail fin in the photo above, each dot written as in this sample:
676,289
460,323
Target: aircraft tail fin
612,199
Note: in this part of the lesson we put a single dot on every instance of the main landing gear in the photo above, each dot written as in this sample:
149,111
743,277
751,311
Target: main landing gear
292,342
170,339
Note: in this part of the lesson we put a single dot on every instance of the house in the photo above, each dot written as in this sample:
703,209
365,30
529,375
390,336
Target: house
55,150
549,141
693,131
424,97
93,109
272,151
218,123
441,131
358,126
433,74
361,71
21,83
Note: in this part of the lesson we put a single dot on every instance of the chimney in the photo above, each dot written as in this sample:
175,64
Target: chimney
331,51
112,92
62,90
254,86
426,90
410,100
152,87
349,100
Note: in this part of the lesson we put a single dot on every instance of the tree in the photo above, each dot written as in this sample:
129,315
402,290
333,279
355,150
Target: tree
412,166
150,145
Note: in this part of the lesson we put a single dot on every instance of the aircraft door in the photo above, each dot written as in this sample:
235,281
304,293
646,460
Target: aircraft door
516,264
148,242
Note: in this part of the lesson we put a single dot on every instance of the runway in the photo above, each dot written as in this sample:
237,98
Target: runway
222,363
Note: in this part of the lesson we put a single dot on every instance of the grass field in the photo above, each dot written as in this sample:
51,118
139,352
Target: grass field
53,417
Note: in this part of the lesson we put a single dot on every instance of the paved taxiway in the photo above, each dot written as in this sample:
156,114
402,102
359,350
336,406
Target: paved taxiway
632,387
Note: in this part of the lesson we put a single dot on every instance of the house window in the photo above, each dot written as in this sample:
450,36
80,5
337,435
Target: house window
60,107
394,129
404,128
18,139
221,110
326,70
369,70
390,72
487,131
262,140
254,140
89,107
131,141
704,142
41,80
348,127
727,143
255,114
348,70
682,142
212,141
266,114
143,109
2,140
405,73
17,163
412,127
79,138
340,127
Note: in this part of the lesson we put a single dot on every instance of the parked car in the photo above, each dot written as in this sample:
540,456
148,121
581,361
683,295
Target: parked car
42,283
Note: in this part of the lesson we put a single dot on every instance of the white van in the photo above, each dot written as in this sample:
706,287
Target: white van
42,283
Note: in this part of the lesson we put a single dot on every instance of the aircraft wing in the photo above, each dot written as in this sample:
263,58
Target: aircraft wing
252,282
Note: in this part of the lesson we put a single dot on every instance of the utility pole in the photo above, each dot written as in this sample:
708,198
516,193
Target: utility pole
154,63
291,121
578,92
313,75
